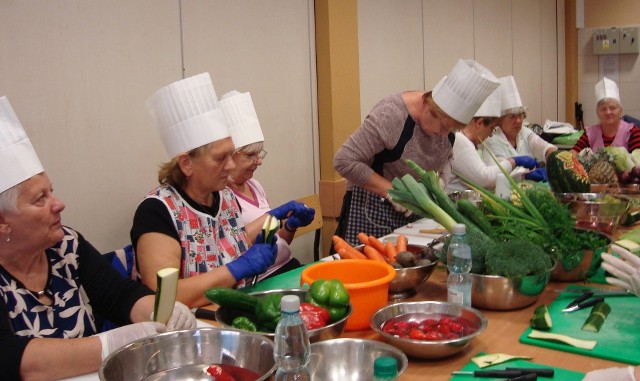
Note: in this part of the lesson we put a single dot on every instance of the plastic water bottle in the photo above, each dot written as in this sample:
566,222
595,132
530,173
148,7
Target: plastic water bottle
459,265
292,348
385,368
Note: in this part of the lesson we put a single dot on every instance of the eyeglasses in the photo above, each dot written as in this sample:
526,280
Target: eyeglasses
522,115
254,156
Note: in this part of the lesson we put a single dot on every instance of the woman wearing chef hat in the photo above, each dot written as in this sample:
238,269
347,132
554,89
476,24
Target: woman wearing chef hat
53,283
612,130
510,139
248,155
192,221
466,159
414,125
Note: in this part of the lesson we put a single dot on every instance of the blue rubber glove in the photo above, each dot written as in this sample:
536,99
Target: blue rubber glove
290,208
302,218
254,261
525,161
539,174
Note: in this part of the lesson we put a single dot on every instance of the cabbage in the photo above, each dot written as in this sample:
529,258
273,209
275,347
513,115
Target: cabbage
635,156
622,159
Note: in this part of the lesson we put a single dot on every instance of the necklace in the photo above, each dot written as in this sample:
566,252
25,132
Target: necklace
38,293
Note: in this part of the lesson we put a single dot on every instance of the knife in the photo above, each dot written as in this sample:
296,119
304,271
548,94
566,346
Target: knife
578,300
598,291
584,304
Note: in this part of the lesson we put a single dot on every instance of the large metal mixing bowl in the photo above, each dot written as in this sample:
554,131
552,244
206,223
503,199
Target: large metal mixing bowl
350,359
421,310
408,278
226,315
183,355
494,292
596,211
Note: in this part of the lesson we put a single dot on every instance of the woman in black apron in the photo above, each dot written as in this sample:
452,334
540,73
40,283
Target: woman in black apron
410,125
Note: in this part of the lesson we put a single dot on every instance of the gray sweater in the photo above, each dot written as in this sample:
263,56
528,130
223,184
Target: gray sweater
381,129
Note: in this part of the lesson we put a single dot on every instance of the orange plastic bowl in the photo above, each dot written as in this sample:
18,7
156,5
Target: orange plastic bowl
366,280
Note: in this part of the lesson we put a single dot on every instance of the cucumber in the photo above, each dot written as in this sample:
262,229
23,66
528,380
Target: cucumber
165,294
230,298
596,318
578,343
472,212
541,318
269,228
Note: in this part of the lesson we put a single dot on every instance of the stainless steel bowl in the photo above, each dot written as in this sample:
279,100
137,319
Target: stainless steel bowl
407,279
183,355
350,359
423,310
226,315
494,292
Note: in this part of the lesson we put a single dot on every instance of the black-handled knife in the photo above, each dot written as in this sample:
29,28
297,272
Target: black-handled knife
585,304
580,299
525,377
540,372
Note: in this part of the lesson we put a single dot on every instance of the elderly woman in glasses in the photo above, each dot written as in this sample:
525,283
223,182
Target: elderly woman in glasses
252,198
414,125
510,139
467,161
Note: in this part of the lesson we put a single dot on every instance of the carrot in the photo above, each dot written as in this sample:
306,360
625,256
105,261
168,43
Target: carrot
364,239
346,254
391,251
376,243
350,251
401,243
374,254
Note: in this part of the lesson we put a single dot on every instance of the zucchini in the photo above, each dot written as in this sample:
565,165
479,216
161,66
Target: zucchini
578,343
541,318
165,294
269,228
230,298
596,318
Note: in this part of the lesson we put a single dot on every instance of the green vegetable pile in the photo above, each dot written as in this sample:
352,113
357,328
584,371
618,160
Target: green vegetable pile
533,227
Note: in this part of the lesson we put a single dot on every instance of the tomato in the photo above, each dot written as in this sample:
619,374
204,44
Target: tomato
444,329
456,327
446,321
432,335
430,322
417,334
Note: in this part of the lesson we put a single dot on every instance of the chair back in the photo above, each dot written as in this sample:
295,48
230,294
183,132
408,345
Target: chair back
312,201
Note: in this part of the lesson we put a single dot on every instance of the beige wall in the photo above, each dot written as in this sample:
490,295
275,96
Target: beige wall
604,14
412,44
77,73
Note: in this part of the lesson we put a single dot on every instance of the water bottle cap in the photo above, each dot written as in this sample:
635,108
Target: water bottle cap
290,303
459,229
385,366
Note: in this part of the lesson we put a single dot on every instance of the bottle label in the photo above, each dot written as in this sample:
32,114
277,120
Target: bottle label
455,296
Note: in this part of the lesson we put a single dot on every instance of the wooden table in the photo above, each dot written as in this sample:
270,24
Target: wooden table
501,336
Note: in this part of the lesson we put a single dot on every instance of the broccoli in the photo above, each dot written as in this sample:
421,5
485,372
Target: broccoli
480,247
516,258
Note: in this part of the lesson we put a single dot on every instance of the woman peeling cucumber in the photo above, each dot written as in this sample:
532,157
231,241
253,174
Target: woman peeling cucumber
192,221
414,125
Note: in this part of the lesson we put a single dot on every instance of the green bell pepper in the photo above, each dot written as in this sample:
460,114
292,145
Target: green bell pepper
331,295
244,323
268,311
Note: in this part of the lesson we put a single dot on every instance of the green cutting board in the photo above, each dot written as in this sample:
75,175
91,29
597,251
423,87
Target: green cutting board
559,373
290,279
618,339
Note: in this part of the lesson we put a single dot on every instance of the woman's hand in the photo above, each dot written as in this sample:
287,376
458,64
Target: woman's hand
116,338
610,374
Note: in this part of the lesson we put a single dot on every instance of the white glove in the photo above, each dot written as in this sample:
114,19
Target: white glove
626,269
119,337
397,207
181,318
610,374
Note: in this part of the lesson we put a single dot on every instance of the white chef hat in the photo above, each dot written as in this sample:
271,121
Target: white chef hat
607,88
461,93
492,106
187,114
510,96
242,118
18,159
